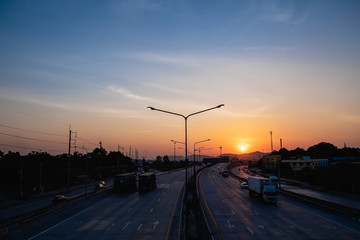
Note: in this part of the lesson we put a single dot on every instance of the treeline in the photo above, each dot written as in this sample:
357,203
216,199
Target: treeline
321,150
41,172
342,174
164,164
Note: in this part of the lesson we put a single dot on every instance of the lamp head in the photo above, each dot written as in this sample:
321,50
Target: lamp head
150,108
221,105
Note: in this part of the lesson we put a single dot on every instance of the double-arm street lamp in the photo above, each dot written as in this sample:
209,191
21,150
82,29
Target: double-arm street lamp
194,149
175,142
185,118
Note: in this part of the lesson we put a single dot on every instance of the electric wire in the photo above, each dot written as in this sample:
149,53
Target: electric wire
34,139
86,141
27,130
29,148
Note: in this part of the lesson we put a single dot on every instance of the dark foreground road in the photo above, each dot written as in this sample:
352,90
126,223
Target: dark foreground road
234,215
114,216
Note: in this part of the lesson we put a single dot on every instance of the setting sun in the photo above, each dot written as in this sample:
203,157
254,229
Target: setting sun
242,147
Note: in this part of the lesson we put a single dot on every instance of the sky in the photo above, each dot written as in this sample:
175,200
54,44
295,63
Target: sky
290,67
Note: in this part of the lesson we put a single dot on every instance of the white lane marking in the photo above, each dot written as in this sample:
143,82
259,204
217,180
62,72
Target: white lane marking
303,209
283,232
68,219
256,213
127,224
139,227
230,225
129,209
155,224
223,201
232,212
250,230
261,226
109,227
159,200
152,209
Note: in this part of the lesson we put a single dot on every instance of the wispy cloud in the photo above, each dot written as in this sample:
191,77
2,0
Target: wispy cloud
165,88
140,4
21,96
132,96
277,12
168,58
262,48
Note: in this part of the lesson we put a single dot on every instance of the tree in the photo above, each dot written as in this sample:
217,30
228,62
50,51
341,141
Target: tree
158,159
166,159
322,150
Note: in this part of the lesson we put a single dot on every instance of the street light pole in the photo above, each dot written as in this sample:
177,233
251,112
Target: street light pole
185,118
199,150
175,142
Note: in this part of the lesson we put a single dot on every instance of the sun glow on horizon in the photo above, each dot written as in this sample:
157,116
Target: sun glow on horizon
242,147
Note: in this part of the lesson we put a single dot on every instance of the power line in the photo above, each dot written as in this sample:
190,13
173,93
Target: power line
48,150
34,139
27,130
87,141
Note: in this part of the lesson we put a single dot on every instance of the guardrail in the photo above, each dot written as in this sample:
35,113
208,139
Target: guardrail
353,213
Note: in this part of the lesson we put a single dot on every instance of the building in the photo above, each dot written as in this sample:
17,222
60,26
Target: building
306,162
271,161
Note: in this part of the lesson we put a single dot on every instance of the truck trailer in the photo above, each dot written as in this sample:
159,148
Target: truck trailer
124,182
262,187
147,181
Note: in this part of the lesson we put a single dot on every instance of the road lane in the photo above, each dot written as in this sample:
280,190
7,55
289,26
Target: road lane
239,216
113,216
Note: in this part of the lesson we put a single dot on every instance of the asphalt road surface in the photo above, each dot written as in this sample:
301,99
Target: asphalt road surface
232,214
151,215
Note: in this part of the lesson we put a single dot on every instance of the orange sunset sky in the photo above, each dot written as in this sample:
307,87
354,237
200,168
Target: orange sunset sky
290,67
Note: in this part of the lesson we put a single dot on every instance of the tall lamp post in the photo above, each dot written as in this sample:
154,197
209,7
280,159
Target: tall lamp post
175,142
185,118
194,149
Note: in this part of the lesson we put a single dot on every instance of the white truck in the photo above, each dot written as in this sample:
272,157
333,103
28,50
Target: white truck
262,187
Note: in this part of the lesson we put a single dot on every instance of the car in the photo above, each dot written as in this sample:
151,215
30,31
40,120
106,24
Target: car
59,199
225,173
102,182
99,186
244,185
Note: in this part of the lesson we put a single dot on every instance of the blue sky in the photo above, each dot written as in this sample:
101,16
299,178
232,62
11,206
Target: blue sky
97,64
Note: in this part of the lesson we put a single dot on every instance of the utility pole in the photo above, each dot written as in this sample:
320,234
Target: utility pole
272,149
68,167
40,177
118,156
279,162
21,178
220,151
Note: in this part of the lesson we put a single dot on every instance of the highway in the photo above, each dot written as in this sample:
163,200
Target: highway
109,215
232,214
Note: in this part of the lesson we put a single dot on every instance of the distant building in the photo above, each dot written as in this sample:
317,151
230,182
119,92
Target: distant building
271,161
306,162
